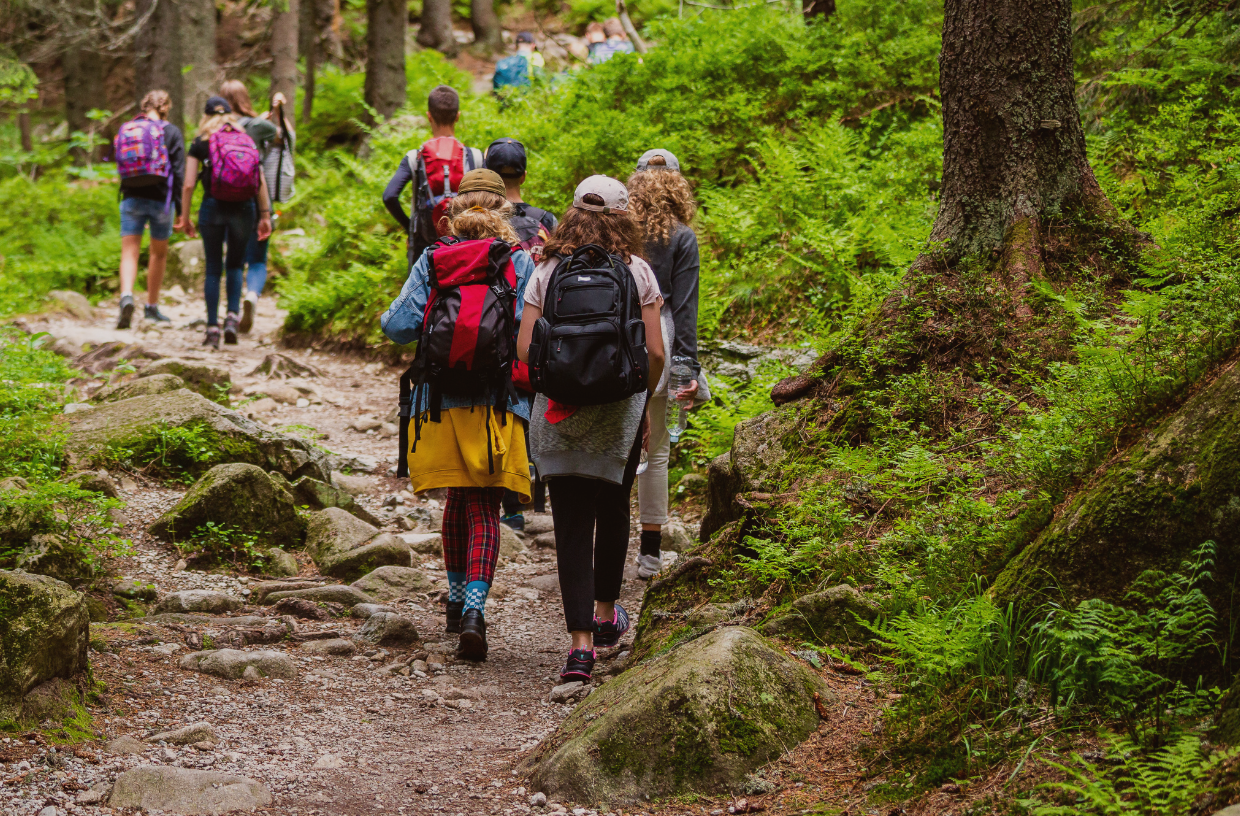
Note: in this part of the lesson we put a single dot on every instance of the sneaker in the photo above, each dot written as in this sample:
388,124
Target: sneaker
230,329
212,337
473,642
248,307
648,566
126,315
153,314
516,521
608,633
579,665
453,625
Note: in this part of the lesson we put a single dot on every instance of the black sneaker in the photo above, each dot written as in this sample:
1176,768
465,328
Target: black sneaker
608,633
473,642
153,314
212,337
579,665
126,315
230,329
455,608
516,521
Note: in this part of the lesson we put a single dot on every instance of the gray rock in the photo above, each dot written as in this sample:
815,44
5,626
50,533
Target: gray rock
364,423
353,485
675,538
199,600
333,593
357,464
384,550
545,541
186,791
758,453
538,800
259,591
44,634
97,481
708,614
208,380
232,663
75,303
134,590
320,495
333,532
829,616
545,583
281,564
388,629
187,265
423,543
198,732
390,582
240,495
125,745
510,544
364,611
538,523
57,557
568,692
334,646
728,700
140,387
422,520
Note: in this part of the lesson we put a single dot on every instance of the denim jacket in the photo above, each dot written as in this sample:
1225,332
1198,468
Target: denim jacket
402,323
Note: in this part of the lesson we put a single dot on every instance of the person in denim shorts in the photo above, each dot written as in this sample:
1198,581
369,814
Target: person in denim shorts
143,205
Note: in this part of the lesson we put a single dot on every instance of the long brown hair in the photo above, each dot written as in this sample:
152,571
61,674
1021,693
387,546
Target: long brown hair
615,232
660,198
238,97
481,215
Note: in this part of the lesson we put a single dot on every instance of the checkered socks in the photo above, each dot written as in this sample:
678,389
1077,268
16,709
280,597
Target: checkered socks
476,595
456,587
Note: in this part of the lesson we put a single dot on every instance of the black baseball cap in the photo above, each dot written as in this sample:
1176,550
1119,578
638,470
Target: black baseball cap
217,105
525,37
506,157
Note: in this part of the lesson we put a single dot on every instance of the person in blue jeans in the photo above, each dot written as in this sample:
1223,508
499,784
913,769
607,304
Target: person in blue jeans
148,204
221,223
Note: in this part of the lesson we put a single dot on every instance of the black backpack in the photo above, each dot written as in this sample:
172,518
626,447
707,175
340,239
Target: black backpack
528,224
589,346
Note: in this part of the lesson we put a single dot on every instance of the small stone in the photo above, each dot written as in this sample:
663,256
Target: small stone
538,800
77,407
334,646
567,692
328,762
89,797
197,732
364,423
124,745
50,810
302,402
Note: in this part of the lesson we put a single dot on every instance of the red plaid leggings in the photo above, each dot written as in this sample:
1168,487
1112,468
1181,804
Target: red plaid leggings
471,532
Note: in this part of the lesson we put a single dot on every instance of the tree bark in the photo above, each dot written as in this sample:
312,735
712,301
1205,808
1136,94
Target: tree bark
485,23
202,78
84,89
308,44
23,126
436,28
157,62
817,9
385,55
284,35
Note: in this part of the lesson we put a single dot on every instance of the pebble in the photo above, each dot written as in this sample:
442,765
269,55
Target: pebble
538,800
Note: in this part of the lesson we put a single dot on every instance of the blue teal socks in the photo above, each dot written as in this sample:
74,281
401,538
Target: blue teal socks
476,595
456,587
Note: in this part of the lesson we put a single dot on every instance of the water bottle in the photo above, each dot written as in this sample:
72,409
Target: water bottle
679,377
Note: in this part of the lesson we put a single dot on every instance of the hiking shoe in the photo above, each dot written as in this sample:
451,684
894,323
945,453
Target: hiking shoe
126,315
608,633
648,566
248,307
579,665
516,521
230,329
473,642
153,314
453,625
213,337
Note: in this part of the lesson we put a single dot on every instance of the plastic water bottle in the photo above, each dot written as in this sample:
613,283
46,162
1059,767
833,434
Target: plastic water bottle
679,377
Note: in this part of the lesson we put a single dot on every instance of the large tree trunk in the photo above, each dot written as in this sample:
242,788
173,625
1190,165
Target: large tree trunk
817,9
385,55
202,77
436,29
157,62
84,91
284,34
485,23
308,43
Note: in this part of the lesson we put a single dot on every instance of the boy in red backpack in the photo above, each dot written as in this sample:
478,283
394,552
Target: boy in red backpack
436,170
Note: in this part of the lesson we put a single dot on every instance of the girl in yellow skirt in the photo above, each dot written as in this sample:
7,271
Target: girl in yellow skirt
469,437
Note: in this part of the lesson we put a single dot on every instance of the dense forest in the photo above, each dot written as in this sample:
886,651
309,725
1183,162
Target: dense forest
995,516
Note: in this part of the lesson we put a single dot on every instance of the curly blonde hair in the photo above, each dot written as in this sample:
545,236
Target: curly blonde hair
659,199
481,215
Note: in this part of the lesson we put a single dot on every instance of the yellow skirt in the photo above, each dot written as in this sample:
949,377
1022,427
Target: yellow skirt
453,452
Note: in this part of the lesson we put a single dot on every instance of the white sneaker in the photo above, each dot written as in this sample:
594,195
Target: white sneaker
648,566
248,307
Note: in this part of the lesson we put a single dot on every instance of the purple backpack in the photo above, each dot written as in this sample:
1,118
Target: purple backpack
236,167
141,155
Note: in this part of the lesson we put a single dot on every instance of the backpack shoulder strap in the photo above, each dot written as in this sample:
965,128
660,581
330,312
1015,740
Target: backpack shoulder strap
473,158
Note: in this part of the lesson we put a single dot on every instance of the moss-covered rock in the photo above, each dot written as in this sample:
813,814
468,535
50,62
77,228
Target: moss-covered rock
142,387
697,719
44,634
389,583
281,564
241,496
96,481
833,615
1178,487
208,380
58,557
319,495
333,532
382,551
758,452
131,423
21,518
334,593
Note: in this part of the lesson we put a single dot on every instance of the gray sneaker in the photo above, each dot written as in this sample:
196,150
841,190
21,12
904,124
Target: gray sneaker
648,566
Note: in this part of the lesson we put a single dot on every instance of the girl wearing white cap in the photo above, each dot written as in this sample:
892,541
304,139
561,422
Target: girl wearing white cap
589,454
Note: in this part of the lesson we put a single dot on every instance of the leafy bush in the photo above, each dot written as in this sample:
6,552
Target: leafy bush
215,543
172,452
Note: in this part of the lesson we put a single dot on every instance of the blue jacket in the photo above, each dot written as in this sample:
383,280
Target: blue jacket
402,323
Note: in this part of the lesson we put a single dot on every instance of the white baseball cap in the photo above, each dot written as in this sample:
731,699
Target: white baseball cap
614,194
670,162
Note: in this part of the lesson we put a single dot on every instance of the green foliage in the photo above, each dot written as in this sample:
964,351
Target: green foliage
223,543
171,452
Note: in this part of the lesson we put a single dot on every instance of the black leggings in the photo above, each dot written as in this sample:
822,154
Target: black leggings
591,542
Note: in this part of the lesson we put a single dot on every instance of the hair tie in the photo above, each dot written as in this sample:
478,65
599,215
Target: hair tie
476,208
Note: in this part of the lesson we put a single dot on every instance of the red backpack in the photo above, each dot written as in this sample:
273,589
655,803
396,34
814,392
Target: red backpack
444,162
468,342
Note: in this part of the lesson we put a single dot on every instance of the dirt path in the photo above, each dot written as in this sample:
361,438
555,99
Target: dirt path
347,736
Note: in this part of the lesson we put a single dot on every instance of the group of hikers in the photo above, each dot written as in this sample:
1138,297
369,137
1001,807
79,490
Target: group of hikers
548,340
603,41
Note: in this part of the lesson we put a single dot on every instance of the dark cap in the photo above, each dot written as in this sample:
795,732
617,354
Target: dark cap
525,37
506,157
217,105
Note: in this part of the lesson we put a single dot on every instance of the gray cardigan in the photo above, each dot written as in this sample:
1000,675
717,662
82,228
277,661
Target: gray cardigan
675,263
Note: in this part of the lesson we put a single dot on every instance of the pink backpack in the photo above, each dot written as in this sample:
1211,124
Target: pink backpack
141,155
236,167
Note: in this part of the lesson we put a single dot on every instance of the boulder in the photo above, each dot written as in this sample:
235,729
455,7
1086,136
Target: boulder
538,523
107,356
125,745
829,616
186,791
57,700
241,496
96,481
134,590
388,629
208,380
389,583
75,303
545,541
132,423
185,735
422,520
342,647
353,485
44,634
675,538
281,564
758,453
301,608
21,521
334,593
364,611
260,590
424,543
141,387
187,265
383,550
318,495
199,600
58,557
231,664
333,532
697,719
510,544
